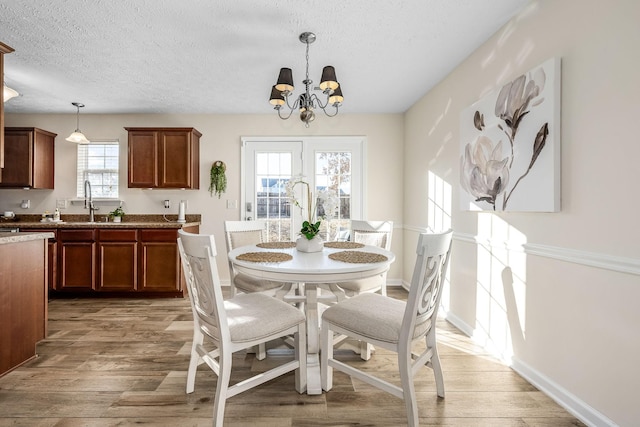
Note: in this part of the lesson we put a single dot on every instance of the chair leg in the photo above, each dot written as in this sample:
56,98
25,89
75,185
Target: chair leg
220,399
365,350
435,363
406,379
262,351
326,353
198,339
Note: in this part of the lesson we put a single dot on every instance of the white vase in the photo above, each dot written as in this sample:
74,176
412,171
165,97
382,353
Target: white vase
117,219
305,245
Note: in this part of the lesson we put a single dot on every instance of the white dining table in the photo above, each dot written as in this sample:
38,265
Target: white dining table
309,271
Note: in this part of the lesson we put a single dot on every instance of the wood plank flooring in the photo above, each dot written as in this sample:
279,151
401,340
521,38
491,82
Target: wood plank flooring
123,362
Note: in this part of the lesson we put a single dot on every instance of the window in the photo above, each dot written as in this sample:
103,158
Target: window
326,163
98,163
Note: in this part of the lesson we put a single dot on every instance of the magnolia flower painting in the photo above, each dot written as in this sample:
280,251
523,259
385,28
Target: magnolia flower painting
511,145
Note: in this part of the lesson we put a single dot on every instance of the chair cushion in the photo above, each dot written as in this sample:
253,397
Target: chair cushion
248,284
373,316
256,316
363,285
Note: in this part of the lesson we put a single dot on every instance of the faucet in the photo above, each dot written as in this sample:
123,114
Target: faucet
88,202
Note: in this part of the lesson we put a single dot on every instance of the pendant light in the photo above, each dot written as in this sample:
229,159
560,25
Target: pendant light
8,93
77,136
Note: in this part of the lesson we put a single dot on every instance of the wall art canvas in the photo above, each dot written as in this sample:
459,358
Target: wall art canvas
510,145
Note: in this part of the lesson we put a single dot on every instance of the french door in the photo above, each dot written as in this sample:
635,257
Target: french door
330,165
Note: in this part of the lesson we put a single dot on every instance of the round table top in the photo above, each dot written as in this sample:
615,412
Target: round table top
312,267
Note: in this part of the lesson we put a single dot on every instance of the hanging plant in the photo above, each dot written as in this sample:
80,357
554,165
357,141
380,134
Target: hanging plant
217,179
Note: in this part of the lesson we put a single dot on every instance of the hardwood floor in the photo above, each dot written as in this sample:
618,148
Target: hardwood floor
121,362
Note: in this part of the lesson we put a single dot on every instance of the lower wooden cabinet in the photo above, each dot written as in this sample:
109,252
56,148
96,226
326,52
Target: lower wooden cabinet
52,253
116,261
76,260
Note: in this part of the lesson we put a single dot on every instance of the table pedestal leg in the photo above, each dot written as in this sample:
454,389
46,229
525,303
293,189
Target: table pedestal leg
313,345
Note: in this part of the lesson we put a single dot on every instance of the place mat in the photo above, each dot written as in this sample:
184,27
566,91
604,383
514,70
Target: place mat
264,257
343,245
277,245
357,257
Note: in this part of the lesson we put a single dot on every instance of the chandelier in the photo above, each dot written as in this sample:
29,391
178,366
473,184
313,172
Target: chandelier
307,102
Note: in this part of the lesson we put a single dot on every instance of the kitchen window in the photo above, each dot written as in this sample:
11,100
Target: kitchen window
98,163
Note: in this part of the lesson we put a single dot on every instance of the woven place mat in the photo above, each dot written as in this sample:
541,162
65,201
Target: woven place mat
357,257
343,245
277,245
264,257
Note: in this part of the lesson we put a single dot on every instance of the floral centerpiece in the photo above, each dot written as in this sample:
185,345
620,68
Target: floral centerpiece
311,225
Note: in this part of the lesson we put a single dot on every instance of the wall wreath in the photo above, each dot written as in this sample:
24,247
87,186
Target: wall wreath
217,178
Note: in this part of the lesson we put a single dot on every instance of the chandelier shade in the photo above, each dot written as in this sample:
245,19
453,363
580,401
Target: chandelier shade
328,80
307,102
285,80
77,136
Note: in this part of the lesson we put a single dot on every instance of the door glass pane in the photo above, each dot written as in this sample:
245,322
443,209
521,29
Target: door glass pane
333,182
273,171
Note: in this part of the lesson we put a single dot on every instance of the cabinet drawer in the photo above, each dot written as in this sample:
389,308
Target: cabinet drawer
76,235
117,235
159,235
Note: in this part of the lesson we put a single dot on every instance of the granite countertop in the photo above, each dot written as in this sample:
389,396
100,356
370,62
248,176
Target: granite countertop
82,221
6,238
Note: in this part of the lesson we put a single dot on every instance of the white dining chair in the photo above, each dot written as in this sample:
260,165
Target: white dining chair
243,233
373,233
394,325
233,325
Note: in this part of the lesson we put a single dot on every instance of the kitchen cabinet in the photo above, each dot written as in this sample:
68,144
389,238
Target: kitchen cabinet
117,260
23,301
4,49
29,155
52,254
164,158
76,260
160,267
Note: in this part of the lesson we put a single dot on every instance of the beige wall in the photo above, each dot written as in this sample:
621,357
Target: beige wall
557,292
220,141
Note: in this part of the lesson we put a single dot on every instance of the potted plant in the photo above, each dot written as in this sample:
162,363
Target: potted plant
116,214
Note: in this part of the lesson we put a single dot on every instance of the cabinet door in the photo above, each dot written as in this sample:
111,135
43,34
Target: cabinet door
159,261
76,260
18,151
143,159
117,260
29,158
175,156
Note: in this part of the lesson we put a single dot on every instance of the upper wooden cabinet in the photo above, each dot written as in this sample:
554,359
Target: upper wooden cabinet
29,155
3,49
164,158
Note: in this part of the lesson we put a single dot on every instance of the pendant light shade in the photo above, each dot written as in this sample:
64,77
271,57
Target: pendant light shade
77,136
8,93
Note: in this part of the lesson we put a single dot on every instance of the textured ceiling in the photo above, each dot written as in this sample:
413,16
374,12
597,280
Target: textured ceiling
223,56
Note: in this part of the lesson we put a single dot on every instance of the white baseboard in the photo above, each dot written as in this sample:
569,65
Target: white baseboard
575,406
562,396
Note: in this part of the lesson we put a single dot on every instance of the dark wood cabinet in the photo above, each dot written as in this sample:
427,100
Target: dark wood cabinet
30,158
164,158
76,260
159,261
4,49
52,254
117,260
